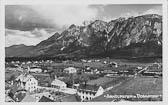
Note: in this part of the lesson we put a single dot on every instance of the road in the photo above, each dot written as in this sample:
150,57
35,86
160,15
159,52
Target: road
66,90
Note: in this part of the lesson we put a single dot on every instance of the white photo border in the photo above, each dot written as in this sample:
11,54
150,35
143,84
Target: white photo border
48,2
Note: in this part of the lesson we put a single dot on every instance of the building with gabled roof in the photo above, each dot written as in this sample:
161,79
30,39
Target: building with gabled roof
70,70
88,92
58,84
27,81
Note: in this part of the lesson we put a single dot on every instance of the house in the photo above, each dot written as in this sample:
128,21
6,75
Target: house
89,61
70,70
58,84
88,92
156,65
28,62
34,69
83,60
27,81
75,86
89,71
104,62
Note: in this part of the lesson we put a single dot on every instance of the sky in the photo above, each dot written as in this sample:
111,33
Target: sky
31,24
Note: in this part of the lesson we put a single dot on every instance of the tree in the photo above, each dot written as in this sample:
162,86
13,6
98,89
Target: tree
84,78
49,81
12,77
52,75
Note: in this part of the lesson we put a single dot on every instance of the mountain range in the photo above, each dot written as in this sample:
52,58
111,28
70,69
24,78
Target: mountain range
139,36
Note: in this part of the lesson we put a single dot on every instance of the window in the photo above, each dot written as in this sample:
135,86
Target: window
90,98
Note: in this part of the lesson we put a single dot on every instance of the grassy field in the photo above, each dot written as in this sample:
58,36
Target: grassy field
100,64
140,85
106,82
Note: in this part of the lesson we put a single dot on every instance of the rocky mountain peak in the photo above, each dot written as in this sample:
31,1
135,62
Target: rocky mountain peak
134,36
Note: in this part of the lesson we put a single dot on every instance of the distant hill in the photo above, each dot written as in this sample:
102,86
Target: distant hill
18,50
133,37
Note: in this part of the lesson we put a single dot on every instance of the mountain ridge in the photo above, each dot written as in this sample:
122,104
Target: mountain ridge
128,36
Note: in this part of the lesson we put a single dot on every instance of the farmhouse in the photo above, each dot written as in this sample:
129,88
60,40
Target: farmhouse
70,70
27,82
58,84
34,69
89,71
88,92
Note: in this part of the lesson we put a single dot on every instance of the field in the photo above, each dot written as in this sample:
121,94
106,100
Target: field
99,64
139,85
106,82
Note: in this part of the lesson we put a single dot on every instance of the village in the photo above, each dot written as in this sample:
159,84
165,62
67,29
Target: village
76,81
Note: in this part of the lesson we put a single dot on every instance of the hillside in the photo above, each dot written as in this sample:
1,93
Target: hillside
133,37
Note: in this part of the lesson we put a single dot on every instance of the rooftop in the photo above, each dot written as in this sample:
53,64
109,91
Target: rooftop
45,99
57,82
69,68
24,77
88,87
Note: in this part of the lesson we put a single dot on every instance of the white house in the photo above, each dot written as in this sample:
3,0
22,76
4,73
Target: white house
88,92
34,69
58,84
27,82
70,70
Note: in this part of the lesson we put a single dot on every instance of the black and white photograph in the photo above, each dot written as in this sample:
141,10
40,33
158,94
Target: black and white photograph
83,52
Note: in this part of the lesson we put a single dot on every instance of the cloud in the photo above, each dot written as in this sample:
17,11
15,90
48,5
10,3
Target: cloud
156,10
26,37
20,17
65,15
30,24
129,13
